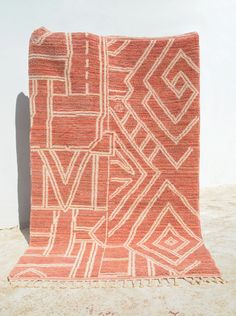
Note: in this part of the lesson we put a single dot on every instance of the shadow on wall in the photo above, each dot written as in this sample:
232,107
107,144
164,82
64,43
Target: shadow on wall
22,122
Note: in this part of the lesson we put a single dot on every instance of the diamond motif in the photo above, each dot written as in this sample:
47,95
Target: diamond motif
159,247
170,240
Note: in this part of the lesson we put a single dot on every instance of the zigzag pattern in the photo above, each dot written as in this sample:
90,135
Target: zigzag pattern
114,158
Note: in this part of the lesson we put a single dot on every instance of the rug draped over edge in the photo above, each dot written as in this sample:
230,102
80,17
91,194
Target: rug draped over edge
114,160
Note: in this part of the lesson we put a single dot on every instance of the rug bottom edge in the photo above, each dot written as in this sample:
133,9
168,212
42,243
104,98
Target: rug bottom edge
121,283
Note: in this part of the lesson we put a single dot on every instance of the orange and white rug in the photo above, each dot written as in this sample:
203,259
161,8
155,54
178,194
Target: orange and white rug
114,159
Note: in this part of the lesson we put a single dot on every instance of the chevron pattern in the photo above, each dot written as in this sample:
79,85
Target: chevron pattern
114,158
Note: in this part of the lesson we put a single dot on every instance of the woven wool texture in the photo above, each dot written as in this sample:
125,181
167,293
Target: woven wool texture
114,158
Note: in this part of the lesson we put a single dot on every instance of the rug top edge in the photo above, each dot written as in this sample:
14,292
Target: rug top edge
43,29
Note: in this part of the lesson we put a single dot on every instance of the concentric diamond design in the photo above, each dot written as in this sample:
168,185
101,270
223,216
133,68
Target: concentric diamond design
172,245
170,240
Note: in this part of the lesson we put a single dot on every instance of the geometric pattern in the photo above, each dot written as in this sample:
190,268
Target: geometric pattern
114,158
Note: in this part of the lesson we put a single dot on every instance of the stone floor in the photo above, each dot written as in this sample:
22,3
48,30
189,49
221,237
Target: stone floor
218,217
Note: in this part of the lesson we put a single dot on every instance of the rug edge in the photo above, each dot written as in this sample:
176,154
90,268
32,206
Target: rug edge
111,283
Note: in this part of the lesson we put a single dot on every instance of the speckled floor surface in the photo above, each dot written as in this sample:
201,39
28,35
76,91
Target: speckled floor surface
218,218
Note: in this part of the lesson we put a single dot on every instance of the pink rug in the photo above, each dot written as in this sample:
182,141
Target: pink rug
114,160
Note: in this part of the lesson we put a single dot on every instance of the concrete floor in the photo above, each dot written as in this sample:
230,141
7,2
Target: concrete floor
218,217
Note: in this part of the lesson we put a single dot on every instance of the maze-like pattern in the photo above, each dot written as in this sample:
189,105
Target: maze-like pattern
114,158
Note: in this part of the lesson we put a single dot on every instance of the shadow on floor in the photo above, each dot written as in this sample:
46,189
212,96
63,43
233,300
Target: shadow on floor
22,124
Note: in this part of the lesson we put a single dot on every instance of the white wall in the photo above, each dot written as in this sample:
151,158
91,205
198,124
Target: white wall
214,20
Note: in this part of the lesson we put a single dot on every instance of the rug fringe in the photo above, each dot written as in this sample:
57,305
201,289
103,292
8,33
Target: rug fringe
139,283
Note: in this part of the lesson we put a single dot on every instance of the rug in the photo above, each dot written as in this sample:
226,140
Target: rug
114,160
